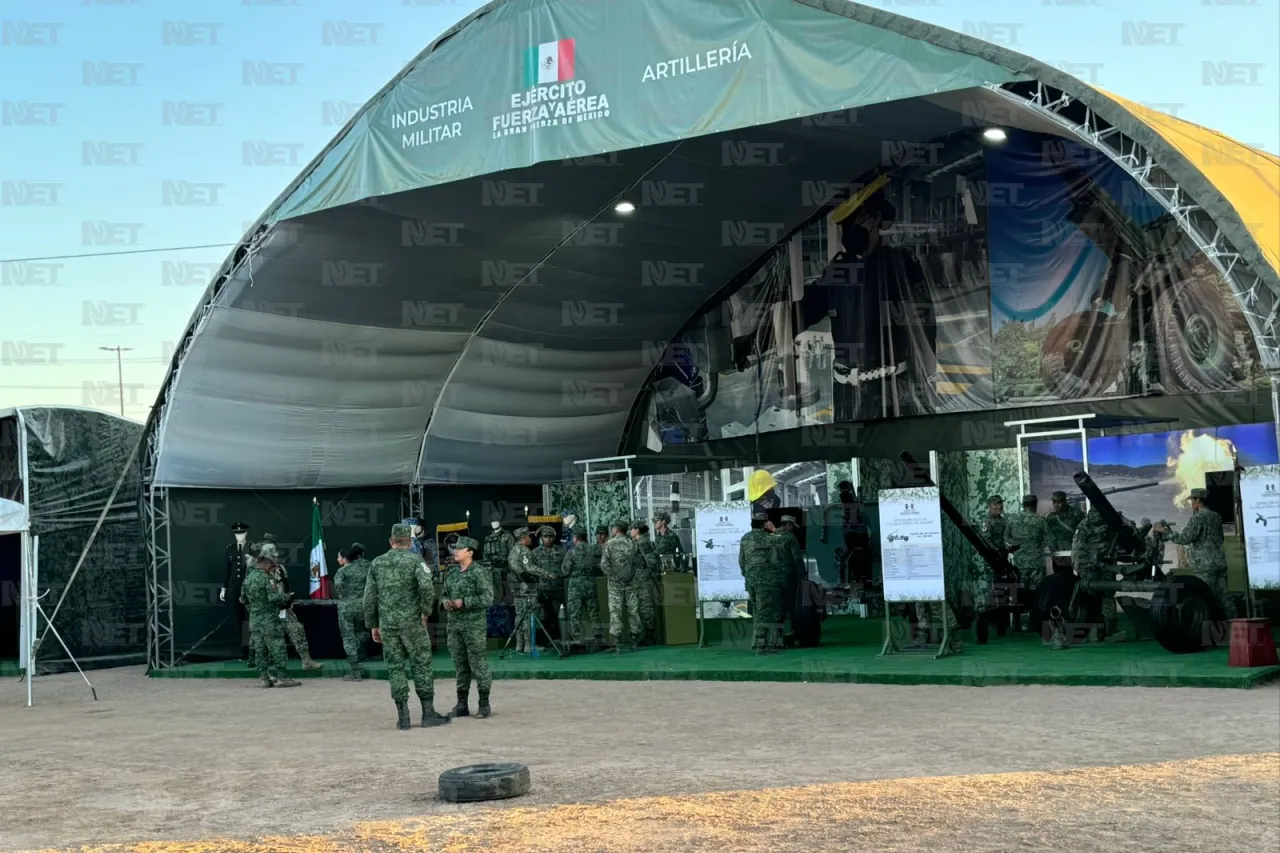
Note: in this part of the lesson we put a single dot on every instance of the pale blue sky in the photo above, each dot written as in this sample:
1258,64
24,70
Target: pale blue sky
47,349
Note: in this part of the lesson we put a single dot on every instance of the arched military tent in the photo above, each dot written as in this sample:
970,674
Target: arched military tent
447,293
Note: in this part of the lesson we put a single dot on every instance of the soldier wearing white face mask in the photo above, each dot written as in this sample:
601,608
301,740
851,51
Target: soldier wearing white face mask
233,581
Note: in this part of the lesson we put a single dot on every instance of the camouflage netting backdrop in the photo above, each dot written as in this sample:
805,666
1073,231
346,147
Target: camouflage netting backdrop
74,458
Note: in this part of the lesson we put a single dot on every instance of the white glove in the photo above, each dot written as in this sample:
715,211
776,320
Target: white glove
222,594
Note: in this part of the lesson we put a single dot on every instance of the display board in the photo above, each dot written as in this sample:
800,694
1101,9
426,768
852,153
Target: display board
1260,505
718,529
911,544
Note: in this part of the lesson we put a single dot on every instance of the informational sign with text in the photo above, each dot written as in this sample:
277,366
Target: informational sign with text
718,529
911,544
1260,504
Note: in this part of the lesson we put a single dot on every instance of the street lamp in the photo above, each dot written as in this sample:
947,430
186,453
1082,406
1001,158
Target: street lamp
119,370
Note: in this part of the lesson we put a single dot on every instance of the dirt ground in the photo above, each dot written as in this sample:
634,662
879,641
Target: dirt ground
637,766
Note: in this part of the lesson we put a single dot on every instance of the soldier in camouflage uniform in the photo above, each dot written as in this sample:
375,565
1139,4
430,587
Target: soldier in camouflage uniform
1086,544
1062,522
602,536
622,565
549,558
1203,539
398,597
793,563
667,543
466,595
579,567
348,586
293,629
646,580
264,602
497,548
763,568
521,571
1028,537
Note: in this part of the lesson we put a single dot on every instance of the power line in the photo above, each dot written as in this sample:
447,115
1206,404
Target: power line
122,252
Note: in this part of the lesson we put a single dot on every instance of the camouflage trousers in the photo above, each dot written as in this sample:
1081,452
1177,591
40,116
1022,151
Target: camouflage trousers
266,639
297,635
527,606
646,599
351,626
1216,579
584,613
407,651
624,605
930,613
1107,599
468,648
766,614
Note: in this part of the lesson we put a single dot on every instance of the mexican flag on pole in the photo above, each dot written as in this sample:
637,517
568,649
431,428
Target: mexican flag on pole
320,587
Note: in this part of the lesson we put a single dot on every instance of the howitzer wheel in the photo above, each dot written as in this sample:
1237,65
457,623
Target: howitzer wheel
1057,591
806,617
479,782
1186,616
1196,340
1080,354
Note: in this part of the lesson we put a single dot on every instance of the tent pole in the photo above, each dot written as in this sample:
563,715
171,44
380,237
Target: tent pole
1275,404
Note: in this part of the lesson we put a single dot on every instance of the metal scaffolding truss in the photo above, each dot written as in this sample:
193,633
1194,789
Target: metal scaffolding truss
160,641
1258,299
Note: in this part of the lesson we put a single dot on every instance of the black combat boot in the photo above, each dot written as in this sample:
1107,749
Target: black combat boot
461,709
429,716
402,723
483,711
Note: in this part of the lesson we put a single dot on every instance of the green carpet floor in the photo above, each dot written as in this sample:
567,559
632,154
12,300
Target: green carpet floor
849,655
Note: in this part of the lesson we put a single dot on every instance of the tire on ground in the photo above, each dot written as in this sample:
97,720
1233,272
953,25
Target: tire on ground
1186,616
479,782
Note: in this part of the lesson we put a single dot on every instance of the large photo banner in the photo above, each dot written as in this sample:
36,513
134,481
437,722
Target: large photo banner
911,544
991,276
718,530
1260,507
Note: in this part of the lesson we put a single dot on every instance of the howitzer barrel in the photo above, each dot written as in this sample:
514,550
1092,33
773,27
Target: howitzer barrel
1114,490
1126,537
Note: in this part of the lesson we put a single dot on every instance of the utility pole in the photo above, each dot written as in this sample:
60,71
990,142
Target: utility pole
119,370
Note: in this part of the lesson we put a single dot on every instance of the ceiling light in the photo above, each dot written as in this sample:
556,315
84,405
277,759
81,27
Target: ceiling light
624,207
994,134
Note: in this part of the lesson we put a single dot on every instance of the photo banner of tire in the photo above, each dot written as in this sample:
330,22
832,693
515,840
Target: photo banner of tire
993,276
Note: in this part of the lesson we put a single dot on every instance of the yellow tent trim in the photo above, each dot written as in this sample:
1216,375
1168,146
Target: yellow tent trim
451,528
1249,179
545,519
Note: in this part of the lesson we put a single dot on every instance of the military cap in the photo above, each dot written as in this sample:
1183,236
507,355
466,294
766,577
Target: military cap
1200,494
634,524
546,530
1059,496
269,537
662,516
759,516
239,527
522,532
402,531
467,542
790,518
602,528
995,499
581,531
1030,499
621,524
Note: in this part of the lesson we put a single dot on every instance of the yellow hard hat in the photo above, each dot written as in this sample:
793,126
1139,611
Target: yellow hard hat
760,482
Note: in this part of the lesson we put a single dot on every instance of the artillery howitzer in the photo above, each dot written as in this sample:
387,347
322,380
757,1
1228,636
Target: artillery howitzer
1005,575
1185,615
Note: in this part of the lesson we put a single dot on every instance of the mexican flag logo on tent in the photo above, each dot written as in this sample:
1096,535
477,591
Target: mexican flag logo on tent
551,62
320,584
